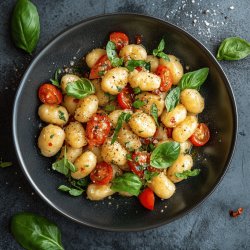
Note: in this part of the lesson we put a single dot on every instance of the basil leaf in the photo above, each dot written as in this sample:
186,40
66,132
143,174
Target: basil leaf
132,64
112,55
187,173
165,154
127,182
154,113
80,88
32,231
5,164
194,79
159,51
172,99
137,90
109,108
55,81
148,175
71,191
25,25
138,103
233,48
124,117
111,97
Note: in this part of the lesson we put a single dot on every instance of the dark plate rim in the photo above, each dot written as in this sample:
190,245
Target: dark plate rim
131,15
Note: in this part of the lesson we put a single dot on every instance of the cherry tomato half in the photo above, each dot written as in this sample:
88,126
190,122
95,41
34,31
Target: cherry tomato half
120,39
140,161
125,98
147,198
166,78
49,94
97,130
200,136
100,68
102,174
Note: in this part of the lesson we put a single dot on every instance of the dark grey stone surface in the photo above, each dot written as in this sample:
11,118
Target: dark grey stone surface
207,227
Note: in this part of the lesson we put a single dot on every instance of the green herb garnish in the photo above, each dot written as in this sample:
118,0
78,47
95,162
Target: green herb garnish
112,54
159,51
154,113
138,103
188,173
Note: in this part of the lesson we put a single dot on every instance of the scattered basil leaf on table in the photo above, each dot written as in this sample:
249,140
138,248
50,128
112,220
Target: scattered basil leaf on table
132,64
233,48
172,99
154,113
32,231
148,175
188,173
137,90
194,79
55,81
112,55
64,165
71,191
124,117
5,164
80,88
138,103
127,182
25,25
164,155
159,51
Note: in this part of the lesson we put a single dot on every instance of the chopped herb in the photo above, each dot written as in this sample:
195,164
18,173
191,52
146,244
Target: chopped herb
148,175
86,166
109,108
101,73
188,173
55,81
137,158
159,51
151,147
137,90
61,115
51,136
111,97
119,89
132,64
129,157
141,131
138,103
5,164
154,113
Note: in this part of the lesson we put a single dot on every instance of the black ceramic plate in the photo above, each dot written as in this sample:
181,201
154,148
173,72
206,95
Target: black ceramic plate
119,213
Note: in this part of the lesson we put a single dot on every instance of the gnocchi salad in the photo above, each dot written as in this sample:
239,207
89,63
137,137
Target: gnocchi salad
126,127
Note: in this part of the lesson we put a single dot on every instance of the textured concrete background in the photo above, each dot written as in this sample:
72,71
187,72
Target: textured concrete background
207,227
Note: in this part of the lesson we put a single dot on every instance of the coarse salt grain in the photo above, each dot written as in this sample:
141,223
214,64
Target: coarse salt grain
231,7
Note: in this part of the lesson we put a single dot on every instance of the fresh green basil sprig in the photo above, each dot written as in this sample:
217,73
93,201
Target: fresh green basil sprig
32,231
80,88
127,182
194,79
188,173
132,64
172,99
112,55
25,25
164,155
159,51
154,113
124,117
233,48
55,81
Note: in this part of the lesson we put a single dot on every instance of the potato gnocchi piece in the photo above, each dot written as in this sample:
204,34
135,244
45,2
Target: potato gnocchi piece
97,152
134,52
161,133
70,103
103,98
84,164
162,186
75,135
114,153
150,99
175,68
142,124
173,118
99,192
71,153
52,113
67,79
86,108
51,140
115,80
94,55
183,163
185,129
154,63
192,100
146,81
113,116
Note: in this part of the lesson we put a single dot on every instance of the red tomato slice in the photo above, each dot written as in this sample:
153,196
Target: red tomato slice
120,39
102,174
200,136
147,198
140,161
125,98
100,68
166,78
97,130
49,94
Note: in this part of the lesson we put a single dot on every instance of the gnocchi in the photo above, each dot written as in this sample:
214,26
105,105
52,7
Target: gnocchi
134,52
